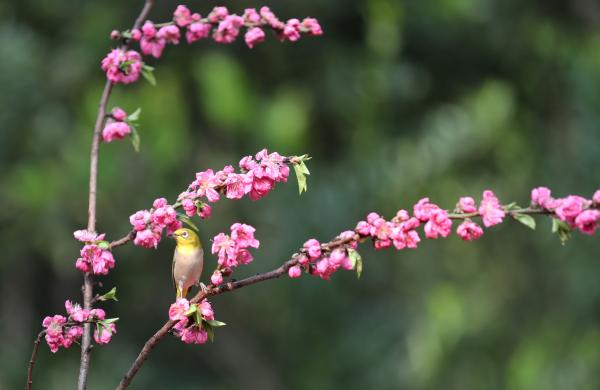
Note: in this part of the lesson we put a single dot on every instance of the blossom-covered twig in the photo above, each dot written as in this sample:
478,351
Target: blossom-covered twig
323,259
93,185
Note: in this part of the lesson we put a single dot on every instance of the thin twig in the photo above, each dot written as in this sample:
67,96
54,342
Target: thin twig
88,282
36,346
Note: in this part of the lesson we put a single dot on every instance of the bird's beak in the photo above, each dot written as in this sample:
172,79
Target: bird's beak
173,235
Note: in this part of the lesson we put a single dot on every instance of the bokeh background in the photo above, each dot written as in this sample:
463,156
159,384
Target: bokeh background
398,100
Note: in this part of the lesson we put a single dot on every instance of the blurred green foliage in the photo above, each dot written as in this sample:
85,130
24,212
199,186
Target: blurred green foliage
398,100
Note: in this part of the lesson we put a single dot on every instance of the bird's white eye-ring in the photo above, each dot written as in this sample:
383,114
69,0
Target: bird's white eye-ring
184,234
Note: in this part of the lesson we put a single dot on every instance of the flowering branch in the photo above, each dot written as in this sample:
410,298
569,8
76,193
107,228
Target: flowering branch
323,259
36,346
93,185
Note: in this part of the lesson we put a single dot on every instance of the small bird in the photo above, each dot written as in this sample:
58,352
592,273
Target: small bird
188,261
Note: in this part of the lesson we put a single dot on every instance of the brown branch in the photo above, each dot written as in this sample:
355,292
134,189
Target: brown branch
36,346
88,282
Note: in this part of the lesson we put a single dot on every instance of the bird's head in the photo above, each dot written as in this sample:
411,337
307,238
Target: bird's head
187,237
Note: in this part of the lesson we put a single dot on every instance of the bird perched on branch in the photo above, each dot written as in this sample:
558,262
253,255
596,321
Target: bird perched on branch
188,261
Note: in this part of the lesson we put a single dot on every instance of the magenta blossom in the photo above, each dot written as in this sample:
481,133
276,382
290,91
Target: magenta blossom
147,238
104,335
197,31
243,235
469,231
541,196
206,310
170,34
596,197
438,224
253,36
313,248
115,130
194,335
122,66
587,221
151,43
295,272
570,207
178,309
467,205
490,209
216,278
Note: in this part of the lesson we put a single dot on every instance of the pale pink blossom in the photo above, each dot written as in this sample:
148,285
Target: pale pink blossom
271,165
197,31
189,206
122,66
490,209
170,34
313,248
205,185
105,334
363,228
87,236
251,17
237,185
294,272
467,204
587,221
225,248
182,16
402,215
178,309
115,130
140,220
271,19
291,31
596,197
253,36
218,14
469,231
76,312
248,163
541,196
438,224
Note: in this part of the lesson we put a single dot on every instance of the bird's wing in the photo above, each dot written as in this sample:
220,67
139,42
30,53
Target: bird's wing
173,271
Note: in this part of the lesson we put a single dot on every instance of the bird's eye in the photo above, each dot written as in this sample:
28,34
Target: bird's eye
184,234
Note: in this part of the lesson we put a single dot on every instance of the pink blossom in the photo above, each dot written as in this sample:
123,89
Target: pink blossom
115,34
467,204
251,16
248,163
164,215
261,187
402,215
438,224
404,234
237,185
253,36
205,183
170,34
159,202
349,235
205,211
178,309
569,208
295,272
54,331
271,19
243,235
490,209
225,248
76,312
173,227
469,231
423,209
115,130
206,310
105,335
151,43
291,31
313,248
118,114
98,314
181,325
147,238
228,29
140,220
243,257
197,31
189,206
182,16
541,196
363,228
194,335
96,260
596,197
271,165
311,26
136,34
216,278
218,14
122,66
587,221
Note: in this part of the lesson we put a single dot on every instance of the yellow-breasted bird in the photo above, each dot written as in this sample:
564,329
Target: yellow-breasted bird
188,261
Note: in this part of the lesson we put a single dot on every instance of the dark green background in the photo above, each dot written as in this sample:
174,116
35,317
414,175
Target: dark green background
398,100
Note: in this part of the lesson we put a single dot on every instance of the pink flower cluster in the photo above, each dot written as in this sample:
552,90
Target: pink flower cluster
575,210
223,26
194,333
319,261
257,177
122,66
93,258
62,331
149,224
232,250
117,126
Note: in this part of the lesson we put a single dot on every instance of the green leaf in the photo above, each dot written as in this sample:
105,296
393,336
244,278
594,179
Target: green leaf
103,244
99,329
356,260
187,220
215,323
563,229
300,175
148,73
135,138
210,331
111,295
109,321
126,34
198,317
526,220
133,117
193,308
